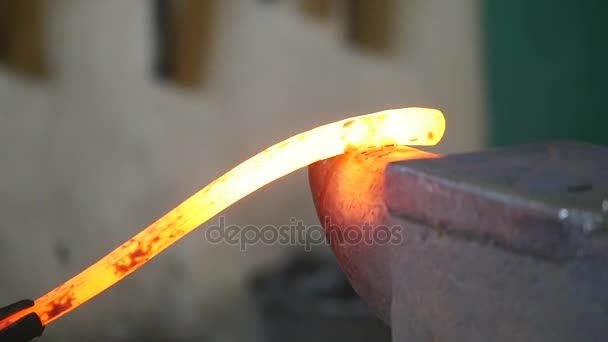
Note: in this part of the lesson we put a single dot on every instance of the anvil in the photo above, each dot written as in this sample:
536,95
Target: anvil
508,244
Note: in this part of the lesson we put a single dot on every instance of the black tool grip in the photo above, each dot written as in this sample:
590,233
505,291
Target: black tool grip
25,329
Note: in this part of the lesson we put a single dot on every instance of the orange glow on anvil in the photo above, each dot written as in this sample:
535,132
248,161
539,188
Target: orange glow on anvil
407,126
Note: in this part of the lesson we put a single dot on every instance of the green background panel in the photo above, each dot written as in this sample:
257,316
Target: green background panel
546,70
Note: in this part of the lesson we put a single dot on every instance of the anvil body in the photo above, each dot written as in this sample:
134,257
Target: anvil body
508,244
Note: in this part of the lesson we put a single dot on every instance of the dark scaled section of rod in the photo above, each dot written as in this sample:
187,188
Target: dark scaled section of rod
25,329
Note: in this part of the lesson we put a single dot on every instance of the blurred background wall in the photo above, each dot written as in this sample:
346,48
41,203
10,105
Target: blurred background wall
101,147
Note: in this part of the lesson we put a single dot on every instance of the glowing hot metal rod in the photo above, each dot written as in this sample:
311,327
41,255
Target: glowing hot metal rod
407,126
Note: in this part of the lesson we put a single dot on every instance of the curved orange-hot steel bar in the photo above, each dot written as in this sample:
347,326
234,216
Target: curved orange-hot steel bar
407,126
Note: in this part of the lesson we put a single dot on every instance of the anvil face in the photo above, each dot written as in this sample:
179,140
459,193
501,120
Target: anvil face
506,244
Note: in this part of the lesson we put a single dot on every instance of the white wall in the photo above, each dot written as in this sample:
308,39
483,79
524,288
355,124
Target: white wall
102,149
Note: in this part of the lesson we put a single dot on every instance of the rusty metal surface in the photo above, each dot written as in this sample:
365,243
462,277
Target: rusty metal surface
445,288
549,200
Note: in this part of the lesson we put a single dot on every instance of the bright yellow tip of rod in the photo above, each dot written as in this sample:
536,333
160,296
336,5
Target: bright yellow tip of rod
407,126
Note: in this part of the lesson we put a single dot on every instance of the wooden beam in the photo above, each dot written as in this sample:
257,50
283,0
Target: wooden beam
370,24
318,9
193,26
22,36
